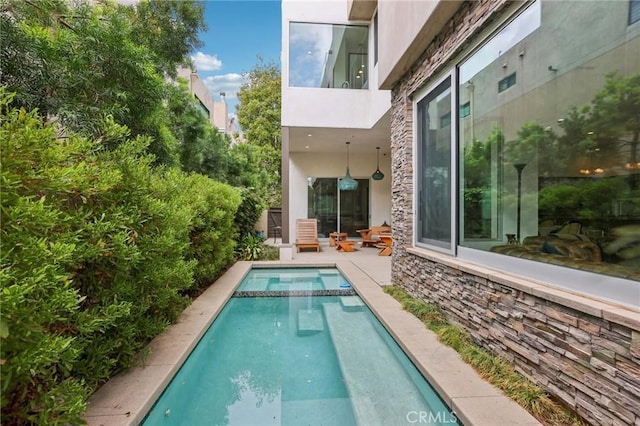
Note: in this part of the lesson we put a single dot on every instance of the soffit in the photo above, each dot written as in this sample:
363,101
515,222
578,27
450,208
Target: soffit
361,10
325,139
443,11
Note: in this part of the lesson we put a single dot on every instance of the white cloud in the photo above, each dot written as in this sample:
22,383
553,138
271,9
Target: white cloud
204,62
227,83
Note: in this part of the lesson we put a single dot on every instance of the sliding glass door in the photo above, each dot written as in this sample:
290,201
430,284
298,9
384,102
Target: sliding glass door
338,211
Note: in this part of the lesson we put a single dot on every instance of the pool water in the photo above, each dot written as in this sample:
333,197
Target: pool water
292,279
304,360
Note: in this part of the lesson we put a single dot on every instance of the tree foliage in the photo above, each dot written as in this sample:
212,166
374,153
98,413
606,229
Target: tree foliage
115,202
259,117
202,148
99,252
260,101
170,28
80,64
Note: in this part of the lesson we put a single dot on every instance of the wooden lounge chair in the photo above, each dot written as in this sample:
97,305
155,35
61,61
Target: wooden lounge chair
307,234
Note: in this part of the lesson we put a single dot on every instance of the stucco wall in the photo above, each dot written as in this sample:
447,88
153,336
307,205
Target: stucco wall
585,352
303,165
339,108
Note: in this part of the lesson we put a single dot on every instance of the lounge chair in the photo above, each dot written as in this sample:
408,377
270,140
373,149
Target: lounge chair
307,234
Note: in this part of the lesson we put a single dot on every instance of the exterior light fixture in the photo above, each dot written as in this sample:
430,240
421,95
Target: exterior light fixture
378,175
347,183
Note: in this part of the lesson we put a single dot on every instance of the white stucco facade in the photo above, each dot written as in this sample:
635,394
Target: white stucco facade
320,120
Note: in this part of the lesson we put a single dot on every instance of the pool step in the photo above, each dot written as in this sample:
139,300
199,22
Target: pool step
310,321
351,303
381,391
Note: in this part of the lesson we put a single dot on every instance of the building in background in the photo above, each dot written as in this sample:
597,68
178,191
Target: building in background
216,111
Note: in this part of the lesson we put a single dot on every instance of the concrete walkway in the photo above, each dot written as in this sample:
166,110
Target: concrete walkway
126,398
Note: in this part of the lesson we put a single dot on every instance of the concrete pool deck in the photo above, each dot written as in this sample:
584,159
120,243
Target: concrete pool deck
127,397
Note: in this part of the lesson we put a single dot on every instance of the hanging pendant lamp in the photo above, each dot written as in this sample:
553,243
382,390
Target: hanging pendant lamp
347,183
378,175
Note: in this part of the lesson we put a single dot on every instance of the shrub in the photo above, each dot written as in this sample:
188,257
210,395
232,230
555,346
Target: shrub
270,253
136,238
252,247
212,234
98,253
44,331
249,212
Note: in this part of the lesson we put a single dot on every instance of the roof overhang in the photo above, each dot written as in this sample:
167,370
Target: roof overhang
437,20
361,10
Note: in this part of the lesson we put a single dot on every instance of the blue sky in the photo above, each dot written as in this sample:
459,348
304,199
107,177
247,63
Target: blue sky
238,32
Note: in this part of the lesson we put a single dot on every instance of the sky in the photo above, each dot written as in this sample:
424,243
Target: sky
238,32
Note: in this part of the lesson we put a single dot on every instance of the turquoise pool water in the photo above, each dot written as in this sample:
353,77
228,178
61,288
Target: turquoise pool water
302,360
292,279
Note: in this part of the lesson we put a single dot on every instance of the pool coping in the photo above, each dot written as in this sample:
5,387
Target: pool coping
127,397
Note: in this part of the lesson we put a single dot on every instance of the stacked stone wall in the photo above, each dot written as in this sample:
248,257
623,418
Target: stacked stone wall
586,357
588,360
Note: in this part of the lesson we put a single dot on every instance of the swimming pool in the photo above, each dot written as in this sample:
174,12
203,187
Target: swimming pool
303,359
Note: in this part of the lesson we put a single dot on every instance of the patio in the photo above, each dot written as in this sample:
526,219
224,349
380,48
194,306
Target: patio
378,268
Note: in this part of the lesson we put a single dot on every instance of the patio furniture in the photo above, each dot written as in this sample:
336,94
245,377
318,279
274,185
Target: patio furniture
385,244
307,234
371,236
334,237
346,246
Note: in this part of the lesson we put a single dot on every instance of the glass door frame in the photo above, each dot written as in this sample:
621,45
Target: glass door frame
330,216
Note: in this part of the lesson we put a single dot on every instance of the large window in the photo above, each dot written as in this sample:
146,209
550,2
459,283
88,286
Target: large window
549,170
328,56
434,153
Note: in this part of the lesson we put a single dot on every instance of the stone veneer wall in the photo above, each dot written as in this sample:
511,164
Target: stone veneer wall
584,352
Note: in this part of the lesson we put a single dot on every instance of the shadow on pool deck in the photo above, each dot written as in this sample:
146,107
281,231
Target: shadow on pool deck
126,398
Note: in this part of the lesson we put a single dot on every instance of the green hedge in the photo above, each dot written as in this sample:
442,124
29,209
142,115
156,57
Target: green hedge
99,252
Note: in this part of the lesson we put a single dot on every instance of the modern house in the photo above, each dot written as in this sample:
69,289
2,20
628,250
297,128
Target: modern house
330,96
510,147
216,112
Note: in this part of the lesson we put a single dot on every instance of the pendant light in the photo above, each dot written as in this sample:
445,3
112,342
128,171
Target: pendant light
378,175
347,183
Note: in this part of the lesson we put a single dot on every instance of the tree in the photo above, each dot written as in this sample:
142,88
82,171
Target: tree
535,145
81,64
170,28
202,148
479,158
615,119
259,117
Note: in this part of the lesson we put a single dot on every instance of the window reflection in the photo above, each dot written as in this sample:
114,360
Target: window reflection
549,162
329,56
338,211
434,150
